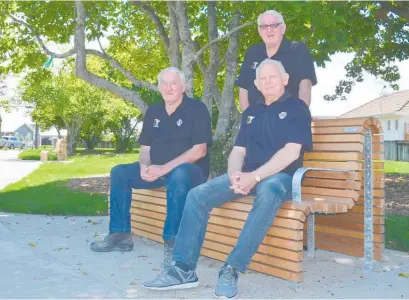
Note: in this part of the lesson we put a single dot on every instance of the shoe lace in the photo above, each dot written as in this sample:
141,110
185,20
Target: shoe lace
228,275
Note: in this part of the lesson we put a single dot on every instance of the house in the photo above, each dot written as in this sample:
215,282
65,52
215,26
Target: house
393,112
24,132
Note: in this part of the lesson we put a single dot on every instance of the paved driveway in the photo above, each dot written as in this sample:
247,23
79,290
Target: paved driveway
12,169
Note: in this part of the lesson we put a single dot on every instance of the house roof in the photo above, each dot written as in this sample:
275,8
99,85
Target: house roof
27,125
396,103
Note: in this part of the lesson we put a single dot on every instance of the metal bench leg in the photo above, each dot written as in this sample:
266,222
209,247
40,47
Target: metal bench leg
311,236
368,199
293,285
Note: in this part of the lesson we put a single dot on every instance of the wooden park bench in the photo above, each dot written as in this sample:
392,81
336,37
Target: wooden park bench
338,205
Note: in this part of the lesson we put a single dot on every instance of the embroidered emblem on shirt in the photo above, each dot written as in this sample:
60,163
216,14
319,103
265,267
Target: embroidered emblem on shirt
179,122
282,115
254,65
249,119
156,123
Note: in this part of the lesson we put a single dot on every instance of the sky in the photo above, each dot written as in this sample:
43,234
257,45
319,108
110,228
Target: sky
328,77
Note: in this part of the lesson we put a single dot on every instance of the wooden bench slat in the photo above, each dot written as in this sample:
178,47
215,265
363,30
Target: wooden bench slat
333,156
333,165
335,130
333,175
338,138
329,183
340,147
379,238
330,192
353,217
342,223
327,207
339,248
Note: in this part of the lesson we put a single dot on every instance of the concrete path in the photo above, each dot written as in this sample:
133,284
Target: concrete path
12,169
49,257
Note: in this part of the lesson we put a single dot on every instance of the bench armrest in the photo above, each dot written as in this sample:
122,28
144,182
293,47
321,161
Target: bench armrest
298,177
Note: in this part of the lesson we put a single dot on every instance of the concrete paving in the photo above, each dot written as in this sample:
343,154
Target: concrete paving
49,257
12,169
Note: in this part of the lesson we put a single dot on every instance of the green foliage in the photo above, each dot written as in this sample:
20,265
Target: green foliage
397,233
219,154
34,154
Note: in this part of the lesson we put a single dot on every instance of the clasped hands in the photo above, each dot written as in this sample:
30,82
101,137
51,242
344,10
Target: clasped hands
242,183
153,172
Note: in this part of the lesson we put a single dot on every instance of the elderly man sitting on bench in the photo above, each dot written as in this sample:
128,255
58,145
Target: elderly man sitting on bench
268,150
174,140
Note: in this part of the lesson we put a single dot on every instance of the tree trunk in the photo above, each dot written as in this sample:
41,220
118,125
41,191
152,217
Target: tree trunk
73,131
37,137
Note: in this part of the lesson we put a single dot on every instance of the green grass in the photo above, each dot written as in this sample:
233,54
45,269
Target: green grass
44,191
401,167
397,232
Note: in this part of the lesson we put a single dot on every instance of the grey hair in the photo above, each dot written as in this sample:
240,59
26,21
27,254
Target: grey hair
272,13
269,61
174,70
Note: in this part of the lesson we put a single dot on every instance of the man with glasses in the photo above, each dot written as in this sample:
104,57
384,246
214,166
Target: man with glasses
294,56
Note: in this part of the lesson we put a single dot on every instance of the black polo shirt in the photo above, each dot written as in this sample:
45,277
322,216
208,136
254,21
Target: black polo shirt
169,136
295,58
265,129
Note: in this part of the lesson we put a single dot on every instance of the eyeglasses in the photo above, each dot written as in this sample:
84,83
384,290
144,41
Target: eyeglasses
272,26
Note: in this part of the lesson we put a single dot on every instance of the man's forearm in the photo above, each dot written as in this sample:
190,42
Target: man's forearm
282,159
235,162
145,156
243,99
190,156
304,92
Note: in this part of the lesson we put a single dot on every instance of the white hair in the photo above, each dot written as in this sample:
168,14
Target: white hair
174,70
269,61
272,13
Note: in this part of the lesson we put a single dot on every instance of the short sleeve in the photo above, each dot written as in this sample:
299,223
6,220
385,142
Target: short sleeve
241,137
202,126
306,69
245,80
299,129
145,137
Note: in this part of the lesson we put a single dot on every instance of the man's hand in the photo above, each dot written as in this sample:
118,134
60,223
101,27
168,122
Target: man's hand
156,170
244,183
145,176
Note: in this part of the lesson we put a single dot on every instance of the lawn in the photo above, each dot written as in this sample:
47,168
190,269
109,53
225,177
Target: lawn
401,167
44,191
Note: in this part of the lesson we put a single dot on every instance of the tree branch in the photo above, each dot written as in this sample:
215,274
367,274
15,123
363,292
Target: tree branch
388,7
213,35
39,40
201,51
81,68
116,65
155,18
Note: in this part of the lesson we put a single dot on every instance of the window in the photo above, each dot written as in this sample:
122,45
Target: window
396,124
389,124
13,139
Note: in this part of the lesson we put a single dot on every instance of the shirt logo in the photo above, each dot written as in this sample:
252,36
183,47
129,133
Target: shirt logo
249,119
156,123
179,122
282,115
254,65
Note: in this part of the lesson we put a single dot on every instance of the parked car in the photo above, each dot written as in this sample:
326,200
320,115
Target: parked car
11,142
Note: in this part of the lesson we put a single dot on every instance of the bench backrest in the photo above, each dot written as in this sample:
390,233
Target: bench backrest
339,144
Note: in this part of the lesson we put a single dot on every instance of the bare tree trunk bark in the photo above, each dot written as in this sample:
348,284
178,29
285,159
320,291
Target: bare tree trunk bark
174,52
226,105
73,131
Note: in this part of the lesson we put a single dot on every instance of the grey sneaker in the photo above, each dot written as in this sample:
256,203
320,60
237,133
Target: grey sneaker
168,253
173,278
116,241
226,287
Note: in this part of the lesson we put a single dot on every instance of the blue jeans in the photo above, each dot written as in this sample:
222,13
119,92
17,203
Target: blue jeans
178,183
270,193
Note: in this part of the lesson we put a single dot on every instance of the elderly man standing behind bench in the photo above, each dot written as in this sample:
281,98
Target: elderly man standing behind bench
174,138
268,150
294,56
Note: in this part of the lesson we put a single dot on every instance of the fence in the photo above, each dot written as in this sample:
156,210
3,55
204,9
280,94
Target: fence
397,150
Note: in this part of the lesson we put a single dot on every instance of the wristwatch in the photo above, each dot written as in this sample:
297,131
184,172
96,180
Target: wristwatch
257,178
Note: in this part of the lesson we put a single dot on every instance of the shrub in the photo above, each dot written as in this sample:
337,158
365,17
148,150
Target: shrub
34,154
